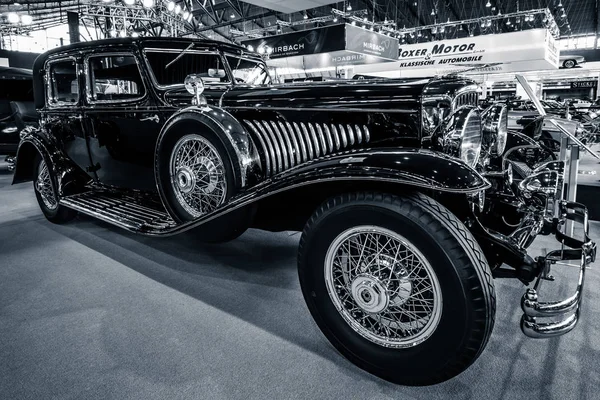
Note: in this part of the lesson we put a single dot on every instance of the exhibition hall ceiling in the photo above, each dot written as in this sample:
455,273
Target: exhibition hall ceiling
226,19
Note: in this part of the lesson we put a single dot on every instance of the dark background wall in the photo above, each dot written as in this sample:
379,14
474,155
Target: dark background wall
19,59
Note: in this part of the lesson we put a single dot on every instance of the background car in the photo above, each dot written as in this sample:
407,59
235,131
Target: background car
570,61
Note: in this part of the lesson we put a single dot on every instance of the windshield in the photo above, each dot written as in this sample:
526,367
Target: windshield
248,71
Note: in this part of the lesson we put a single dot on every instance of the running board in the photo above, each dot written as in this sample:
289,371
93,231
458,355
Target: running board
136,213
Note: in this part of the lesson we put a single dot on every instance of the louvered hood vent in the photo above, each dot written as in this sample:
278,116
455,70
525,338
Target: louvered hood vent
286,144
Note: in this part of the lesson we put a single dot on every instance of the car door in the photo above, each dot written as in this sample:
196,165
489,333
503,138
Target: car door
63,117
123,121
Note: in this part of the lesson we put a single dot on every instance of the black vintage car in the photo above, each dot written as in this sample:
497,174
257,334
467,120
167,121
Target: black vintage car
386,179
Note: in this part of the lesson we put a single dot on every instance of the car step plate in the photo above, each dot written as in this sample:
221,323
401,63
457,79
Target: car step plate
139,214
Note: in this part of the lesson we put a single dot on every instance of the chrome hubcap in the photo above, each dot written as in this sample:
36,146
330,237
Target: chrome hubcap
43,185
197,175
383,286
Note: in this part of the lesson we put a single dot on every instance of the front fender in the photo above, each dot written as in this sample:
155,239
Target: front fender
412,167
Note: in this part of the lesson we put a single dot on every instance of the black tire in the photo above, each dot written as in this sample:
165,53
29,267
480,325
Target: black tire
569,63
468,297
56,214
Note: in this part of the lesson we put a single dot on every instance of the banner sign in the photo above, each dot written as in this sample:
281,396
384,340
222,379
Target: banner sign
347,44
364,41
320,40
527,50
584,84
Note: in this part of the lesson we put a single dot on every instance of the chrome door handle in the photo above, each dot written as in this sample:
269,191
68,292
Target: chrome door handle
154,118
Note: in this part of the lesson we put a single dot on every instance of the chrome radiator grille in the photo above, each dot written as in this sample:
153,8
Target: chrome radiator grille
287,144
466,99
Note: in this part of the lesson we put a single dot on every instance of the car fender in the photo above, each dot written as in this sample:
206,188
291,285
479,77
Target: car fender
34,142
416,168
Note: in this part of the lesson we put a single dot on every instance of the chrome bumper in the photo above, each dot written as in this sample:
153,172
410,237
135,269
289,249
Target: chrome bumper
564,314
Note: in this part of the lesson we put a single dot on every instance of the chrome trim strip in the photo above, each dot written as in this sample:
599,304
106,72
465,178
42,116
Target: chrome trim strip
358,134
268,171
302,142
311,154
344,137
275,145
315,139
321,138
292,143
280,136
336,136
323,109
329,138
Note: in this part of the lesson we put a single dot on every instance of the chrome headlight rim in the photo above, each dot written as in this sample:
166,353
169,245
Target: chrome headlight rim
459,138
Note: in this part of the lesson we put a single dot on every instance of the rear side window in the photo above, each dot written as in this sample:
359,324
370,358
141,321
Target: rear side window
114,78
63,86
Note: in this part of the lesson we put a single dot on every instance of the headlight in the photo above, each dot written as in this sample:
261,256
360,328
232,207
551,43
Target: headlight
435,110
463,135
495,128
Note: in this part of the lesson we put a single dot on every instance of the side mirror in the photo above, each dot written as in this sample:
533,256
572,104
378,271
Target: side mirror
194,85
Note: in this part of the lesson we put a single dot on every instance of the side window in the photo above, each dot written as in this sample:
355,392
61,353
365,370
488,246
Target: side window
171,68
114,78
63,86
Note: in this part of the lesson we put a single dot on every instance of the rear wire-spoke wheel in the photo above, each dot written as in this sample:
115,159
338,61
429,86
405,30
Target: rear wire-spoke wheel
45,186
398,285
197,175
383,286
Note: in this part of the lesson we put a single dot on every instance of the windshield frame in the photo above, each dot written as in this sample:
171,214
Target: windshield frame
248,57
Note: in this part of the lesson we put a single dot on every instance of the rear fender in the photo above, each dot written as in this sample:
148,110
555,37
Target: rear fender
33,143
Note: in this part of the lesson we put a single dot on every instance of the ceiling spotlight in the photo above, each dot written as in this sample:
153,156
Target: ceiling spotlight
560,3
354,23
305,16
186,14
415,4
334,19
363,26
16,4
148,3
134,34
177,9
269,50
13,18
170,6
488,4
232,16
432,11
349,8
419,34
123,33
261,50
190,17
113,33
489,22
129,2
442,29
508,22
365,19
563,15
26,19
371,27
250,47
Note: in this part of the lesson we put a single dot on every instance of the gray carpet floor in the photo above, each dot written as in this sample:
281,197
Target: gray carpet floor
90,312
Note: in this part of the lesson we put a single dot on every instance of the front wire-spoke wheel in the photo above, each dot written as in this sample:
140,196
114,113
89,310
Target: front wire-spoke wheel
398,285
383,286
198,176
